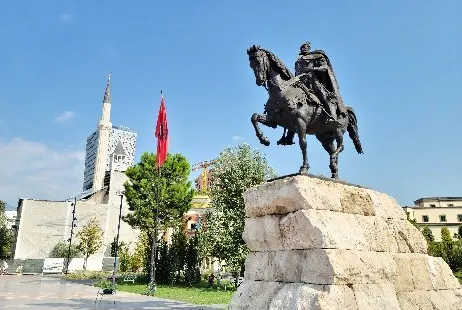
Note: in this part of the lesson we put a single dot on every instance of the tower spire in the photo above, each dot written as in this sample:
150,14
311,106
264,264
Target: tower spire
107,93
104,131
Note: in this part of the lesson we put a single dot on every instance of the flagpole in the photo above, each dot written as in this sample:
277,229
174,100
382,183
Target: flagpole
152,284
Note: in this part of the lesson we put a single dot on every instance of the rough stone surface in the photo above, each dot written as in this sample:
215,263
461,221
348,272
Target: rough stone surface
317,244
321,266
335,266
408,238
308,229
300,192
317,297
441,275
377,233
376,297
283,266
417,300
263,233
446,300
412,273
252,295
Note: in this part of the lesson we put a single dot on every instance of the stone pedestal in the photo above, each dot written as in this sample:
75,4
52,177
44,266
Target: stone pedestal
325,245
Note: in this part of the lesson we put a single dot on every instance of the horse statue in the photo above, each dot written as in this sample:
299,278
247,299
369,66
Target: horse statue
299,109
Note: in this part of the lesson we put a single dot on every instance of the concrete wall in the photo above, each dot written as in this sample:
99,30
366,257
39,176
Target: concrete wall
42,224
127,233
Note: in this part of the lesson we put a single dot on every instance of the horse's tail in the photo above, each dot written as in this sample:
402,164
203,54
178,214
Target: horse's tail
353,129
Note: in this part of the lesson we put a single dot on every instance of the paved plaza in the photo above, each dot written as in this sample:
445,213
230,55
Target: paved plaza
51,292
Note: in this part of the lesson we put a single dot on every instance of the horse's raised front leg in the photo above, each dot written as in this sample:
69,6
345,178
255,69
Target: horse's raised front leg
265,120
301,131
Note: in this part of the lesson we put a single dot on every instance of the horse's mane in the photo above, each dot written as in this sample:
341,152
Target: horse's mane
279,65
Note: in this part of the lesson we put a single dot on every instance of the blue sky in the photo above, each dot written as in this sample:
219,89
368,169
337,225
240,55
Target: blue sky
398,63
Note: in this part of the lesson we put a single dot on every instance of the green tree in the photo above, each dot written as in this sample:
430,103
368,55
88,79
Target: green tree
192,266
114,246
427,233
171,190
234,171
5,233
449,249
459,232
164,267
90,239
141,256
61,249
178,252
125,258
433,248
175,193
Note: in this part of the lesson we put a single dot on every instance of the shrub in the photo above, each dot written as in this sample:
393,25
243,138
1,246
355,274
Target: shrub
61,250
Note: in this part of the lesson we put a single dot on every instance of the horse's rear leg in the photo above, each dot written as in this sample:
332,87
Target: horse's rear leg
265,120
301,131
338,135
328,144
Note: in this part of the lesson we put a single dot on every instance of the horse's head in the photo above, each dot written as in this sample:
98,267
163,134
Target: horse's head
259,64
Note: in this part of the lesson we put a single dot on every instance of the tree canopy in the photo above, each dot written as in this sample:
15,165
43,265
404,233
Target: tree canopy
90,239
175,191
234,171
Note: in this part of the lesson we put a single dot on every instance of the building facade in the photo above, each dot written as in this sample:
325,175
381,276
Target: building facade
436,213
118,135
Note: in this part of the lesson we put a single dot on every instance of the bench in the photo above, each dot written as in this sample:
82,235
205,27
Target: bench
129,278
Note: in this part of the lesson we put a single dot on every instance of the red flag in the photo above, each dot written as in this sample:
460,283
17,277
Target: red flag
161,135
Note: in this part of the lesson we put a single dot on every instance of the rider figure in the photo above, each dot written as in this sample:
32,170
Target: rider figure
318,76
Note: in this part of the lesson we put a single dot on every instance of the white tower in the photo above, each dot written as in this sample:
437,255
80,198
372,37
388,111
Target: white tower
104,130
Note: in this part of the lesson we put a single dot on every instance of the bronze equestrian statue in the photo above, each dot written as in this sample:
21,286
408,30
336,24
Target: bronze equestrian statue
309,103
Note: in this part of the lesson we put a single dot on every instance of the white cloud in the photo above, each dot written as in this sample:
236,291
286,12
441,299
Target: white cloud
65,18
237,138
34,170
65,116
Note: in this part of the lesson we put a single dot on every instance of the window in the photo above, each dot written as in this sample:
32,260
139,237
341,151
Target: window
443,218
432,205
450,205
459,217
193,226
425,218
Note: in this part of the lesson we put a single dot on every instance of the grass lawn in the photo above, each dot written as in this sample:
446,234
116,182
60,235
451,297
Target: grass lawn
193,295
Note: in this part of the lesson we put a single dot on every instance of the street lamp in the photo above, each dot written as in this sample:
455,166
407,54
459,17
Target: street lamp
121,194
72,233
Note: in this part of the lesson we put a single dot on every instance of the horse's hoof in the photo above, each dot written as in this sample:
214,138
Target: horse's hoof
304,170
265,141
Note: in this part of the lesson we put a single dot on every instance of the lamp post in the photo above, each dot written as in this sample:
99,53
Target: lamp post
121,194
72,233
